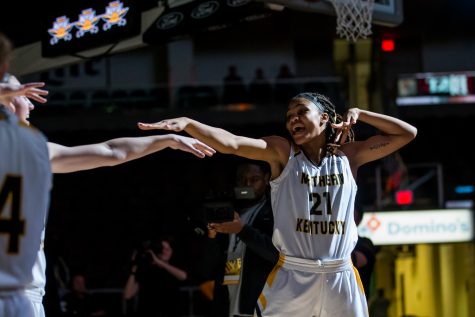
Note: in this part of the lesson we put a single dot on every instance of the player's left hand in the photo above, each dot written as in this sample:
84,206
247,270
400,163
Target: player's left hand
343,128
30,90
193,146
175,124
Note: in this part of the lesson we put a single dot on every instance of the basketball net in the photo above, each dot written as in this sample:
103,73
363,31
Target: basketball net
353,18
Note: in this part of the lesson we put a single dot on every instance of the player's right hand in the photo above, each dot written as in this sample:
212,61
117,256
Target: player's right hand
193,146
176,124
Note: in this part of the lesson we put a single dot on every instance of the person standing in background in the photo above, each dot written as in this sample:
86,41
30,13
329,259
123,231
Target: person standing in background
285,87
364,254
233,87
243,247
260,90
79,302
379,305
155,280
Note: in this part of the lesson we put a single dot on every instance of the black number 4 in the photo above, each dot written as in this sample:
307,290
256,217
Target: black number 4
14,226
318,202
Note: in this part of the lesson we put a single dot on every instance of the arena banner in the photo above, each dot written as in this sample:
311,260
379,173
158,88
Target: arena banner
417,226
82,25
202,16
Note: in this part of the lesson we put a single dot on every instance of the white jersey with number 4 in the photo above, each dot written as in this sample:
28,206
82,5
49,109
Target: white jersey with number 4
313,208
25,184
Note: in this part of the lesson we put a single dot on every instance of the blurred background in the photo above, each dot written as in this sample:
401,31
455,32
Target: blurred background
235,64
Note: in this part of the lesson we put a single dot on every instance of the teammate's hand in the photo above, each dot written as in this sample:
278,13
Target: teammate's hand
30,90
176,124
234,226
192,145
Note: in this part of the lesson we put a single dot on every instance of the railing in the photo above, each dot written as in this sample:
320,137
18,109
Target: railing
111,300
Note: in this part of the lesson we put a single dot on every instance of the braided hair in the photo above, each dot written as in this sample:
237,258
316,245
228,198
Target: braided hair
324,104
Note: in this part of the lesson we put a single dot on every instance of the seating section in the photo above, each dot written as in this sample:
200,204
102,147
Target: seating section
185,97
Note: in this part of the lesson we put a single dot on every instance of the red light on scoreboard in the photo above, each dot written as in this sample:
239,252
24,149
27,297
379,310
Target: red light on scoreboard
388,45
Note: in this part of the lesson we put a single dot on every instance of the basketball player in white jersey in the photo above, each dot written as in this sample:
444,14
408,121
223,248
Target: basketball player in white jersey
25,184
77,158
312,191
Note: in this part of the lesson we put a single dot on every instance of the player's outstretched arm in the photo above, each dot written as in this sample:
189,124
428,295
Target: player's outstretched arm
271,149
116,151
31,90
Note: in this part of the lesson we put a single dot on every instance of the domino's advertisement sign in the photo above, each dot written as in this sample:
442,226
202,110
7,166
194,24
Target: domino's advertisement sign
418,226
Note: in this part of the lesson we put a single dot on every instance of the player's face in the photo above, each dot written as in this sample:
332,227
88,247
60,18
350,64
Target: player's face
23,106
304,121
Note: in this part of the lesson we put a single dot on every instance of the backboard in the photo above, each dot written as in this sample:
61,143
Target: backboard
385,12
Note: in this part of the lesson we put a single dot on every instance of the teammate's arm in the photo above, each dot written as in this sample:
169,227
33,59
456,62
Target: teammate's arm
272,149
116,151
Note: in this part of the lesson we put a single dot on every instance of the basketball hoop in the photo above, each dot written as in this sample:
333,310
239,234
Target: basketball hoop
353,18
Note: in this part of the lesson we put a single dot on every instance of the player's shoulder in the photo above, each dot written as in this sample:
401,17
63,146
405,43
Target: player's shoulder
279,145
29,127
276,140
33,131
32,140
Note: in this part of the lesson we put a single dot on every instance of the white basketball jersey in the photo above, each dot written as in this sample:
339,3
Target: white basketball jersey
313,208
25,184
36,289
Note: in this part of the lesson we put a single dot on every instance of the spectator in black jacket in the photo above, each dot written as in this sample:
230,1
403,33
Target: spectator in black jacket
364,254
243,247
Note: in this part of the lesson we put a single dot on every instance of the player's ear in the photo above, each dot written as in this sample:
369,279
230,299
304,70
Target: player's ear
324,117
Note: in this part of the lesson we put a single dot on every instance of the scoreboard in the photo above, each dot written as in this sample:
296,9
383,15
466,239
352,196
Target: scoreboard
436,88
